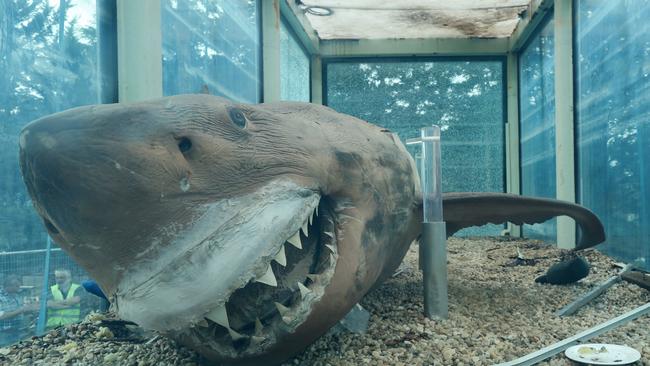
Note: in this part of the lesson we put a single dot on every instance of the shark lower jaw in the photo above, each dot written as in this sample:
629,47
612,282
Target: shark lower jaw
255,317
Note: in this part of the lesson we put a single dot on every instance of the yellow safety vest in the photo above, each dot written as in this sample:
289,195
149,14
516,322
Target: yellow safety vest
56,317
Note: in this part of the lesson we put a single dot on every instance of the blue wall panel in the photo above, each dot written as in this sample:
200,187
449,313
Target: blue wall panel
537,124
613,120
294,68
211,47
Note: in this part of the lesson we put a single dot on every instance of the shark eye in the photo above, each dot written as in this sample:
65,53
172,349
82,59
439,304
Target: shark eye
237,117
184,144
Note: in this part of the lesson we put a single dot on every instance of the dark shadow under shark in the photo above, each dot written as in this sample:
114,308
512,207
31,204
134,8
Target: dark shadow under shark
243,231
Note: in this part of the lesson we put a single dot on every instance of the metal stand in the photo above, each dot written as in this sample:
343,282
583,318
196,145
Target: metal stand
433,245
433,257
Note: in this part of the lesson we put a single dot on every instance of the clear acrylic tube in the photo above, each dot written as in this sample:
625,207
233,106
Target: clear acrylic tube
431,178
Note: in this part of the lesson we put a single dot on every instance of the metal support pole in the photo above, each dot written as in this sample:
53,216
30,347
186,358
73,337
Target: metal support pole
512,135
433,245
433,250
564,126
42,312
139,50
271,50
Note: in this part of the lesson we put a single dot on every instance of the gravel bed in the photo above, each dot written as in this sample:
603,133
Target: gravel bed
496,313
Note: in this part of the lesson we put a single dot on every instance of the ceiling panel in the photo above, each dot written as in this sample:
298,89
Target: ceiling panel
367,19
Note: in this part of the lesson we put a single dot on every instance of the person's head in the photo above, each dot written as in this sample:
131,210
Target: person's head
12,284
62,277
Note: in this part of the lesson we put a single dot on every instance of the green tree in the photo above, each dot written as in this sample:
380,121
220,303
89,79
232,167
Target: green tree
48,64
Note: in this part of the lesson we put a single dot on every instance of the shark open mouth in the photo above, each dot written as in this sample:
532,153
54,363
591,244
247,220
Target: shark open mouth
256,315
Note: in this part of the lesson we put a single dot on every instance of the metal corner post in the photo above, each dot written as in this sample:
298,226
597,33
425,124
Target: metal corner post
271,50
139,46
564,127
316,65
512,134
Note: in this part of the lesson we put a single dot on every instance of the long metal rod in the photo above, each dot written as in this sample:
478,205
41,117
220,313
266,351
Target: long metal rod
35,251
42,313
560,346
573,307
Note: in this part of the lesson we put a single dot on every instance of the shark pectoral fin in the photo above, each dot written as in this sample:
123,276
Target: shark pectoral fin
463,210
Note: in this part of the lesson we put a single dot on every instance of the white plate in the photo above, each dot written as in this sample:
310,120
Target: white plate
602,354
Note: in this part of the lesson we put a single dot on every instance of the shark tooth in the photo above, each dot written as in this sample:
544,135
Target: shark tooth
281,257
234,335
316,211
304,291
305,228
219,316
295,240
283,310
311,218
287,319
268,278
328,233
331,248
332,258
258,326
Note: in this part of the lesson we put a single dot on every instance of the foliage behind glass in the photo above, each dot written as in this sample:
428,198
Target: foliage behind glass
211,47
613,120
465,98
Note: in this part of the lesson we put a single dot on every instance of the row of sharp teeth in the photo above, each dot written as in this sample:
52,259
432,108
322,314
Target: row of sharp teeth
268,278
220,315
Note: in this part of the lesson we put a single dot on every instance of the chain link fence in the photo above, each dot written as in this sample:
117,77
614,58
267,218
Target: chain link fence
32,268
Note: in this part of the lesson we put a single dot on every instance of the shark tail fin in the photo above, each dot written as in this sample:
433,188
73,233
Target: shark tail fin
463,210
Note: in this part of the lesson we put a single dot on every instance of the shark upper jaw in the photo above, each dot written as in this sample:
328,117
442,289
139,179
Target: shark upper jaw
246,271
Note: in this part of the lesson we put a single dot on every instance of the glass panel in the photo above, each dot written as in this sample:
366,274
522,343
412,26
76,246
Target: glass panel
537,124
49,63
613,121
464,97
211,47
294,68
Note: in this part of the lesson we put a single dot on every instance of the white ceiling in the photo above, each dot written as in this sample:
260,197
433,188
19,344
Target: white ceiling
368,19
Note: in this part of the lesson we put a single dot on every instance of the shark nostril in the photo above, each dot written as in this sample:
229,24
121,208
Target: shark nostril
50,227
184,144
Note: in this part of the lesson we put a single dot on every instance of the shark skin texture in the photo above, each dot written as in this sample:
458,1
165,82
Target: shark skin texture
243,231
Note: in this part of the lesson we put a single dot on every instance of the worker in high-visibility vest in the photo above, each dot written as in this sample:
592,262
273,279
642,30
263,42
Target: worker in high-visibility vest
64,306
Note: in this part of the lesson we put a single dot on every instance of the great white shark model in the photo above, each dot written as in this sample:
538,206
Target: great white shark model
243,231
